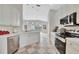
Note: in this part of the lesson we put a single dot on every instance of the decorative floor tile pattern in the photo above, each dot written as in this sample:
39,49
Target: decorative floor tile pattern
36,49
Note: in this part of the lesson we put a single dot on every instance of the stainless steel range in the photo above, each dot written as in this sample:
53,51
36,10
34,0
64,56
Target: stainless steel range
60,40
60,44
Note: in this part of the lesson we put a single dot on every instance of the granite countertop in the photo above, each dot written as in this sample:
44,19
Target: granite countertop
14,34
8,35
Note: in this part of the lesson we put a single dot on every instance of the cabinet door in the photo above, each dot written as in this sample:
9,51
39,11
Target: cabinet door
72,47
15,17
3,45
1,14
29,38
71,50
9,15
6,15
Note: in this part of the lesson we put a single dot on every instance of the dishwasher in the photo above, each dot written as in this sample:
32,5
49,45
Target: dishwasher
12,44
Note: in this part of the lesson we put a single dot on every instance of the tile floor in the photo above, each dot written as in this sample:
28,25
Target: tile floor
36,49
44,47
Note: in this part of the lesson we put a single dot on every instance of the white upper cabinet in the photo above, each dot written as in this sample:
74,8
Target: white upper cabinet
15,17
9,15
6,14
1,20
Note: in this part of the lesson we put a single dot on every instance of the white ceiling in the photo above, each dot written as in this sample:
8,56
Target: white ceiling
33,12
56,6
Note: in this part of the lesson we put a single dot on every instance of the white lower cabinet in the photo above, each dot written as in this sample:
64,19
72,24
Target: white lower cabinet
3,45
72,46
9,45
28,38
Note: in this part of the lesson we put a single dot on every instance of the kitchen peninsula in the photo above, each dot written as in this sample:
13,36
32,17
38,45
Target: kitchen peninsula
10,43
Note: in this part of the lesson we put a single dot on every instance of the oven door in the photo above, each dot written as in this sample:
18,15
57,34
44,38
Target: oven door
60,45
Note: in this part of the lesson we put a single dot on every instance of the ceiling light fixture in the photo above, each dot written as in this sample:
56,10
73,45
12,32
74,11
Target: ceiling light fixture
38,5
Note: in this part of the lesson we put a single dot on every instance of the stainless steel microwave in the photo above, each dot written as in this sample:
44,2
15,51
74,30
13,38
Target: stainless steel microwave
69,19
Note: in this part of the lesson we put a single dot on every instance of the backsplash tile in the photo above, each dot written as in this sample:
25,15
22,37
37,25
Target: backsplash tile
10,29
